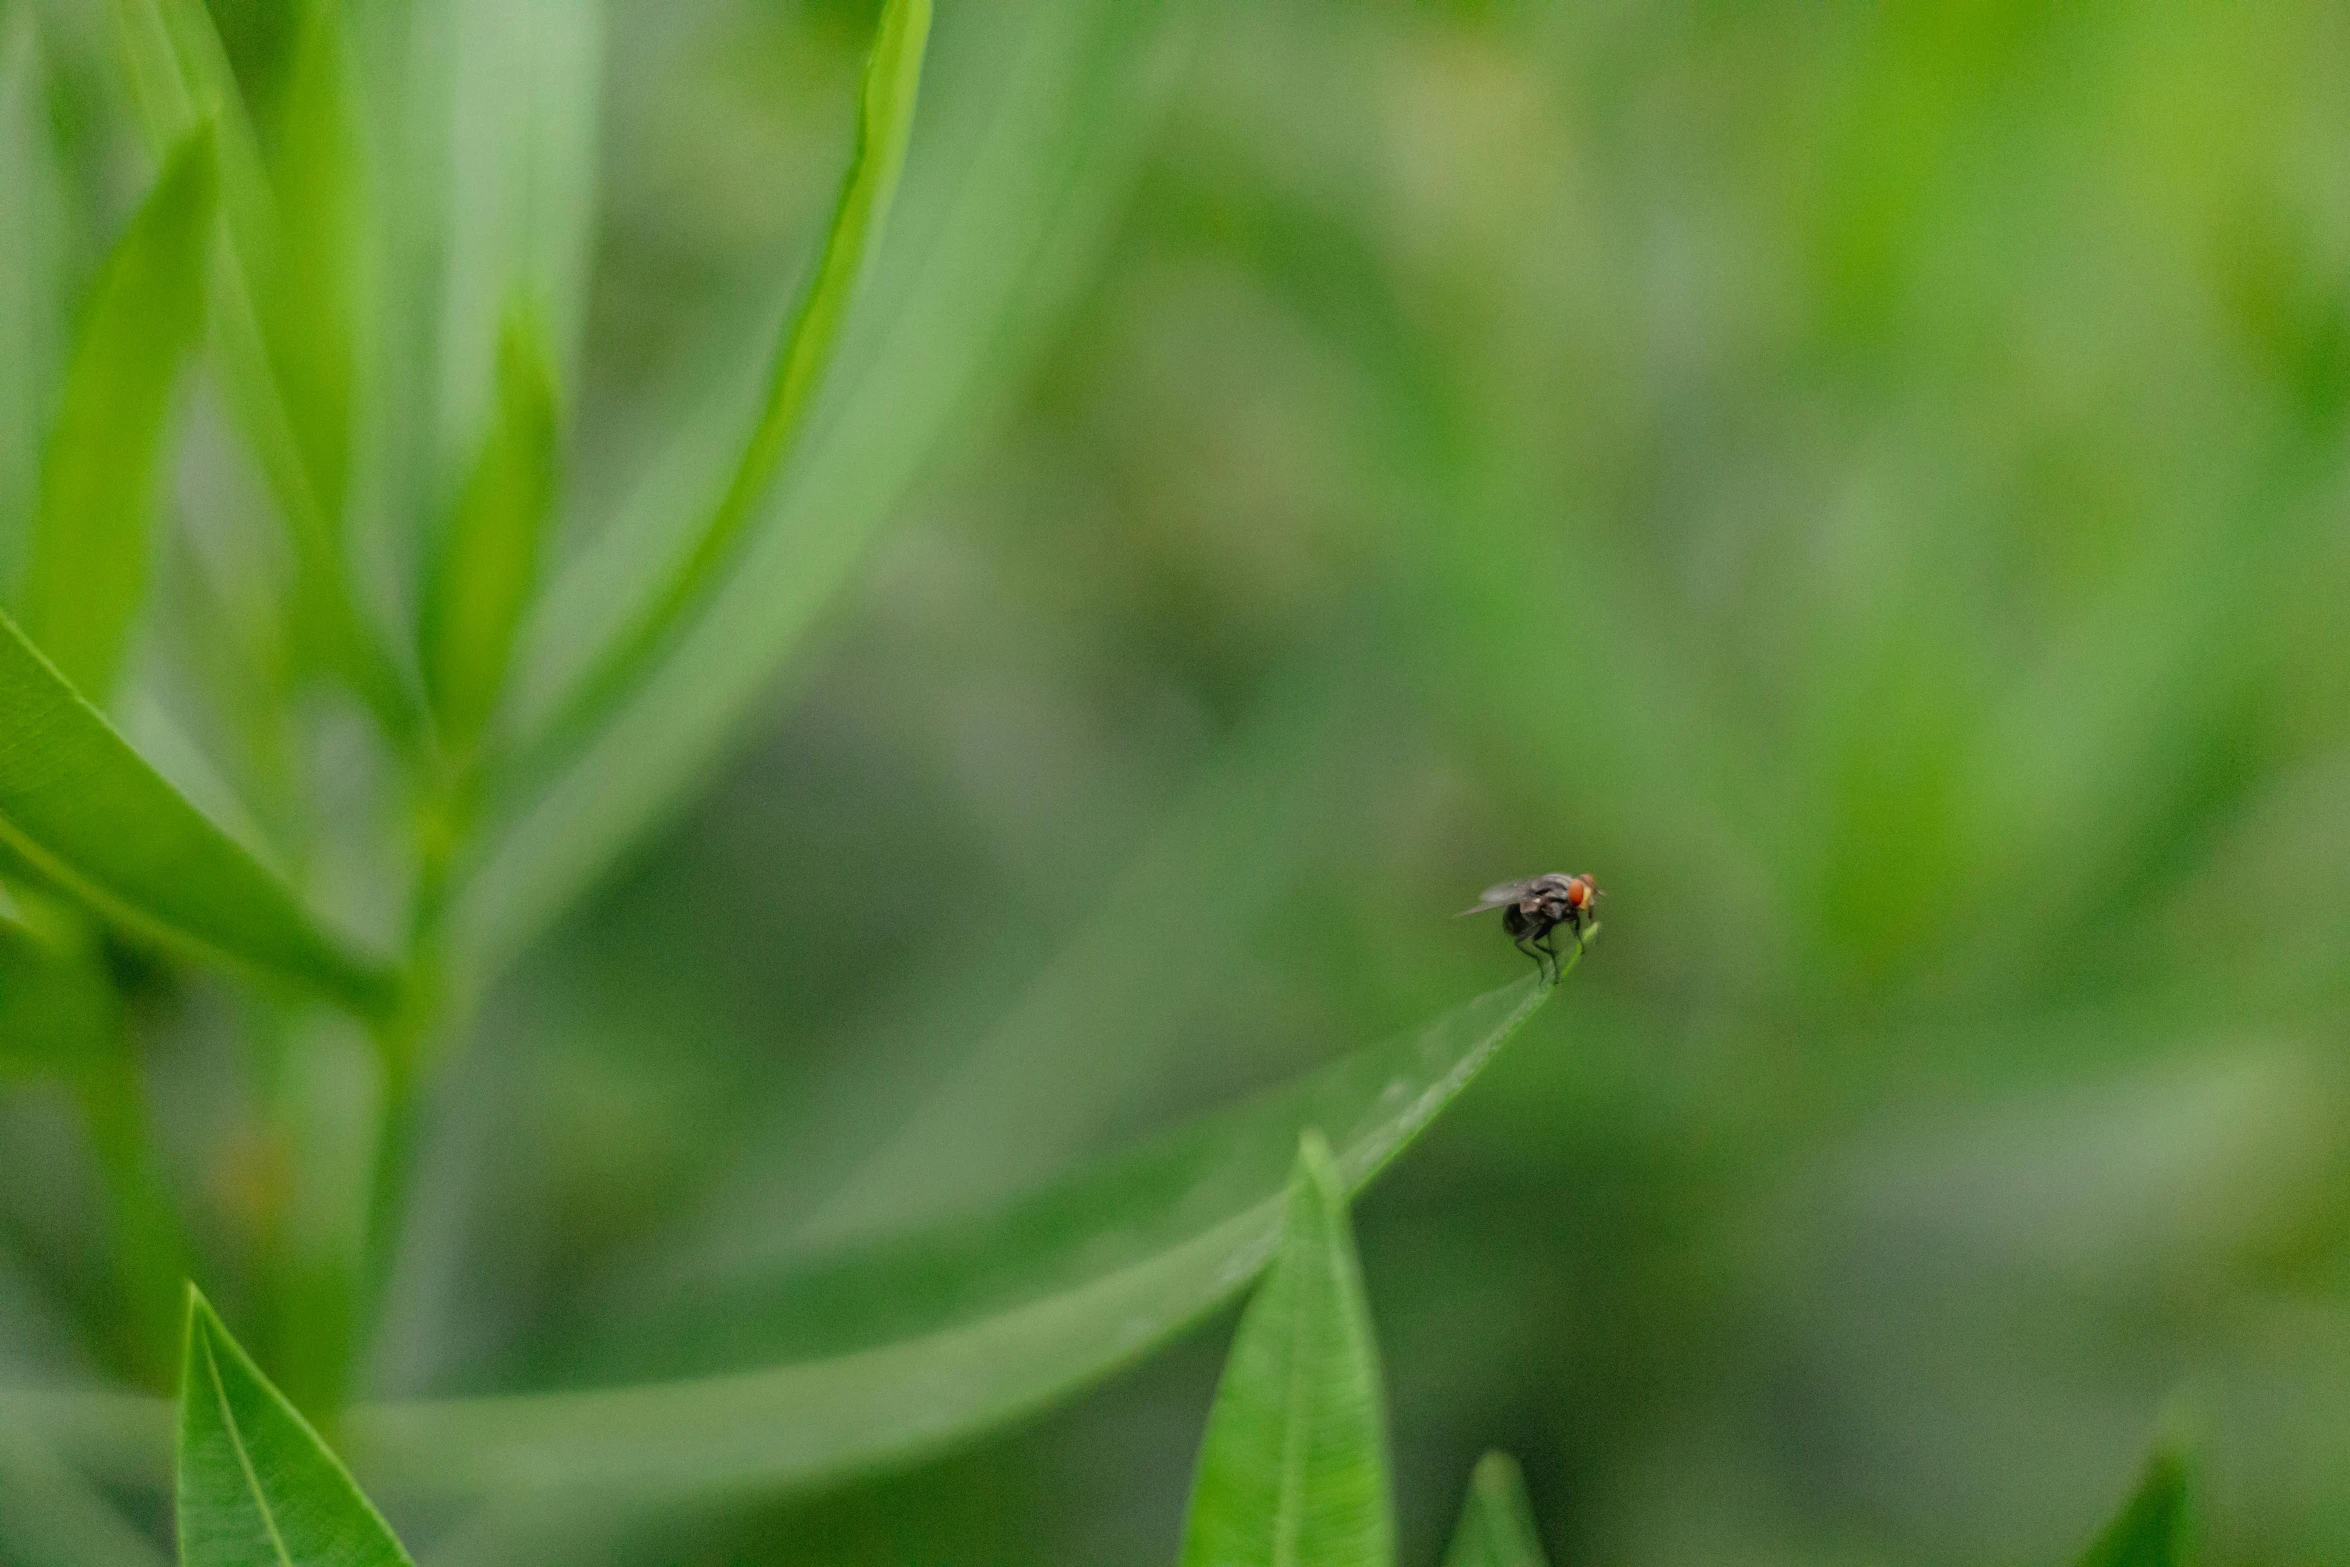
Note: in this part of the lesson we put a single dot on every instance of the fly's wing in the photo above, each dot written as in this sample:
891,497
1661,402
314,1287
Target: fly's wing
1495,897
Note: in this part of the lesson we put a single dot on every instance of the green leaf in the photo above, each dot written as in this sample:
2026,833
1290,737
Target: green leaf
482,576
894,1351
279,295
1036,119
518,204
256,1485
1293,1470
86,571
2151,1529
1496,1527
944,1333
304,297
885,123
84,809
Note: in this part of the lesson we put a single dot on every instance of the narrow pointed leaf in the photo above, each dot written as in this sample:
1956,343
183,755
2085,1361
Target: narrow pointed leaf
86,810
305,299
488,560
516,210
885,123
2151,1529
1496,1527
884,1354
1293,1471
902,1349
86,572
279,295
256,1486
994,213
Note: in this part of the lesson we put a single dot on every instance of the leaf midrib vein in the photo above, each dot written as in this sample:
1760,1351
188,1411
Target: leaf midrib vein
236,1441
1287,1524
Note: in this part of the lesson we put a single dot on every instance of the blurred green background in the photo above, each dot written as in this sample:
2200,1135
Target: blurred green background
1867,483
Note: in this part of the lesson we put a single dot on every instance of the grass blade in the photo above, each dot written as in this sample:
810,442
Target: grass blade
1015,171
885,124
84,808
1496,1527
86,571
488,560
2152,1528
256,1485
904,1348
1293,1470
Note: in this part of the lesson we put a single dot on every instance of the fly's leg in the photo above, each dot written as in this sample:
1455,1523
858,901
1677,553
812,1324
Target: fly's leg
1526,945
1548,938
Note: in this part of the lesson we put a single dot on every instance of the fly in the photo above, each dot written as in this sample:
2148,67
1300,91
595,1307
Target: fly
1532,909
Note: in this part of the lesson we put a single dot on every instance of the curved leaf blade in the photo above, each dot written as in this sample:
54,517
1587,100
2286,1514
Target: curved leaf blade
256,1485
950,1332
1496,1527
905,1349
1293,1471
87,562
998,210
2151,1530
885,125
86,810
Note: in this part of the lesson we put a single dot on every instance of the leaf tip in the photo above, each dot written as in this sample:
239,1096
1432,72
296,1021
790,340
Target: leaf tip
1497,1477
1317,1169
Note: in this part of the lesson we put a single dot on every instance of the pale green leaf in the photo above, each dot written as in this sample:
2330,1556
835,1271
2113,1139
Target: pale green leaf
2152,1528
897,1350
488,559
1034,122
885,124
280,295
519,196
1496,1527
305,295
256,1486
950,1331
87,560
1293,1471
83,808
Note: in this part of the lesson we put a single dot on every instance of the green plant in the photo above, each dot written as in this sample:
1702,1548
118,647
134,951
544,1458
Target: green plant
365,642
507,808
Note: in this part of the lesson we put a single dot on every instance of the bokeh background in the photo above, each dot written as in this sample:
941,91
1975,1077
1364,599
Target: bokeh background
1865,482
